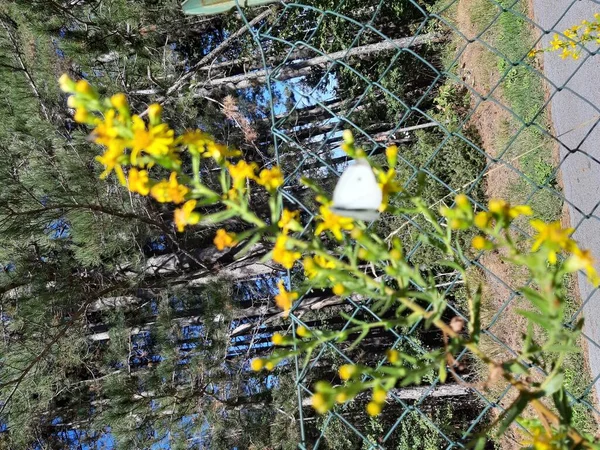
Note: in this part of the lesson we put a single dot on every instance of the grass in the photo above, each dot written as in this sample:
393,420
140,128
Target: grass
521,140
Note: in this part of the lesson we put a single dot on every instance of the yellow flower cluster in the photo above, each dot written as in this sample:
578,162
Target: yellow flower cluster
284,299
332,222
574,39
131,141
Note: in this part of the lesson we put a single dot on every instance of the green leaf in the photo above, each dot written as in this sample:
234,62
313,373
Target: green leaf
475,315
561,402
543,321
443,372
553,384
512,413
537,300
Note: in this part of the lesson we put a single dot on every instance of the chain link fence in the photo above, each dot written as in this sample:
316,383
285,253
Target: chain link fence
451,84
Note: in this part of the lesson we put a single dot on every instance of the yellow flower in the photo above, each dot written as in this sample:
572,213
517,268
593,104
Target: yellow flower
218,151
302,331
393,356
65,83
566,53
156,140
532,53
119,101
106,131
186,215
83,87
482,220
520,210
342,397
195,138
339,289
374,409
277,339
391,154
312,265
271,179
333,223
81,115
138,181
223,239
347,371
320,403
269,365
481,243
169,191
379,395
289,220
241,171
111,160
284,299
556,43
257,364
552,236
388,186
154,112
583,260
283,256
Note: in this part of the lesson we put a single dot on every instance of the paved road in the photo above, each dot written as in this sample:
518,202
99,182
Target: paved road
576,122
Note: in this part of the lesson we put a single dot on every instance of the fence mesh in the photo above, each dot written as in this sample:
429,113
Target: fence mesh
317,90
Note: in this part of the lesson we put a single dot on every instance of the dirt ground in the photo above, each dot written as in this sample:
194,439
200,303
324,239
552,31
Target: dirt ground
478,71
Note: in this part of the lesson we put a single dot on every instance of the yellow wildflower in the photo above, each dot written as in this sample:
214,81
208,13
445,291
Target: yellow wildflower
282,255
241,171
566,53
379,395
347,371
583,260
269,365
342,397
482,220
333,223
393,356
223,239
284,299
277,339
391,154
195,138
302,331
83,87
481,243
532,53
169,191
111,160
289,220
155,140
257,364
106,131
81,115
320,403
556,43
119,101
218,151
388,186
65,83
271,179
339,289
553,236
374,409
138,181
186,215
154,113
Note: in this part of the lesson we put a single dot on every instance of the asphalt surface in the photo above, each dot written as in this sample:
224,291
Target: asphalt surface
575,107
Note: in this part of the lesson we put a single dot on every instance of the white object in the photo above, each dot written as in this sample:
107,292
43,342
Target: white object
357,193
